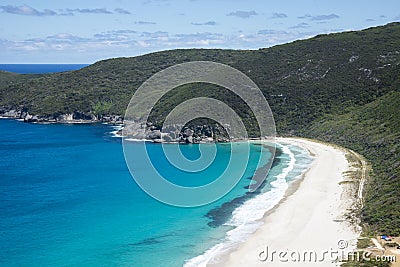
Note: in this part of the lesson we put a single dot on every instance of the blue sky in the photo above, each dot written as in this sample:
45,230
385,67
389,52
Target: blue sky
69,31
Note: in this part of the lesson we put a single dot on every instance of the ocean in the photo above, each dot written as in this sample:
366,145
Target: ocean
68,199
40,68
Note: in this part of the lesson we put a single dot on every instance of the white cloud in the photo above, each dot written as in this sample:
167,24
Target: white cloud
124,41
27,11
157,34
319,17
243,14
279,15
122,11
141,22
89,10
300,25
325,17
116,35
208,23
30,11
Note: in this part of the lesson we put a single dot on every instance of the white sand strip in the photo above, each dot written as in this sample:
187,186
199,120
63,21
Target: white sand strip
308,221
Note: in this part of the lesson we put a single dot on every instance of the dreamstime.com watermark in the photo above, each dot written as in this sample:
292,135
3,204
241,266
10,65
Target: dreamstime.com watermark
339,254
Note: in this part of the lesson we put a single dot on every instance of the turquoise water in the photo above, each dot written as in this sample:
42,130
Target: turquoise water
67,199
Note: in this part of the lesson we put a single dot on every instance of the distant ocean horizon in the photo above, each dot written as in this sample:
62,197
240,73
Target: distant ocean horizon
40,68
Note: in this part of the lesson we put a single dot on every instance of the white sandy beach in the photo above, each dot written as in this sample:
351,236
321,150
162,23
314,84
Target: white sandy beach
309,219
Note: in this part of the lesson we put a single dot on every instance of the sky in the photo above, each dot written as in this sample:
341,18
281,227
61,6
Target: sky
70,31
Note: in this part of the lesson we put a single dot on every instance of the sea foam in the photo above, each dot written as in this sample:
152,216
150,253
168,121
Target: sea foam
247,218
116,129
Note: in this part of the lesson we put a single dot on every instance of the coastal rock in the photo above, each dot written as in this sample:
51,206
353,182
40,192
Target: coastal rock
153,135
27,117
12,114
168,138
112,119
188,132
58,117
193,134
66,117
30,118
135,130
77,115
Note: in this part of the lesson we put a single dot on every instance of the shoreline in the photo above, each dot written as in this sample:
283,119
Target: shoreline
248,217
71,118
310,217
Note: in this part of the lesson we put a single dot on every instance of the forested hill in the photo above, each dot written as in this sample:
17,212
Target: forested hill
341,87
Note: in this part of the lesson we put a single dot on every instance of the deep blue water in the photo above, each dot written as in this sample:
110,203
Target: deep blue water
68,199
40,68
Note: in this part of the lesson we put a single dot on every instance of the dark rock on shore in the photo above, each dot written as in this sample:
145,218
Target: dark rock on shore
169,134
75,117
174,133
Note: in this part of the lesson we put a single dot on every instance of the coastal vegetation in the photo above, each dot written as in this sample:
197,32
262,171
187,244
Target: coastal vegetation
342,88
372,130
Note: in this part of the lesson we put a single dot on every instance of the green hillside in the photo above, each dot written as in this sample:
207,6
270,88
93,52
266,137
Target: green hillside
343,88
373,130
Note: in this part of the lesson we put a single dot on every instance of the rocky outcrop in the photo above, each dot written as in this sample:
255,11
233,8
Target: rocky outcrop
66,117
75,117
31,118
113,119
139,130
175,133
12,114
